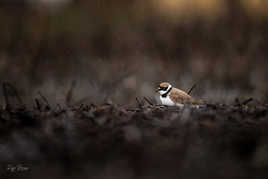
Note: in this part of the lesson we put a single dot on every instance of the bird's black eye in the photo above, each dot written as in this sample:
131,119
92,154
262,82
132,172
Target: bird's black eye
163,88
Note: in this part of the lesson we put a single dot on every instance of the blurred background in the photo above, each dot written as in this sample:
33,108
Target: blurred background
117,50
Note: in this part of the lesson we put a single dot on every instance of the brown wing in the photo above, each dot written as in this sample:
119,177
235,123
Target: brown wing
179,96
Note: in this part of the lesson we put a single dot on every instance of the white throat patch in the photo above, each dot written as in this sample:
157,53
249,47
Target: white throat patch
166,100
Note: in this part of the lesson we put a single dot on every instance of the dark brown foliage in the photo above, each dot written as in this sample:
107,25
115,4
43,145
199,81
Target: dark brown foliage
107,141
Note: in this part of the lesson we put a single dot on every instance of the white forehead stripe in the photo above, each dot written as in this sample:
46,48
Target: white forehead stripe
169,86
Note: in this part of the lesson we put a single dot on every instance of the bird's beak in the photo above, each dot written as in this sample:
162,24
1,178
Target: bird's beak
158,89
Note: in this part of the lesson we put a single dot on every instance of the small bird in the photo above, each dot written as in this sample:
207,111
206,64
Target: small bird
171,96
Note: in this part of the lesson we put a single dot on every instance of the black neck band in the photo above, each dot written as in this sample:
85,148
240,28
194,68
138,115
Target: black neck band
165,94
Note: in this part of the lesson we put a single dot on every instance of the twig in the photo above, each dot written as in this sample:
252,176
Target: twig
15,93
138,102
247,101
148,101
70,92
5,96
38,106
133,110
191,89
45,100
43,97
160,105
59,107
10,91
81,107
237,102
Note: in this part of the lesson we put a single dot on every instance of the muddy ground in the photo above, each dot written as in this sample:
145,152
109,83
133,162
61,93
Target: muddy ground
142,141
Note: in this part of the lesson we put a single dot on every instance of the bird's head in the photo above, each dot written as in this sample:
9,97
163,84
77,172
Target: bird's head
163,88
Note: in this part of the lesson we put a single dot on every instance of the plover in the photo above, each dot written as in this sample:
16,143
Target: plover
171,96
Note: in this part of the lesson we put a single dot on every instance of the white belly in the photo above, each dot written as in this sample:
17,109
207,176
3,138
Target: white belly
168,102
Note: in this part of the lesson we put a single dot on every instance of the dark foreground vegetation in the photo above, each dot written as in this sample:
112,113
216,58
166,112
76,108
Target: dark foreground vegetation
142,141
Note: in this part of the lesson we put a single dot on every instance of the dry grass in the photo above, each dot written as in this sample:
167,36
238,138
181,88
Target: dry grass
107,141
